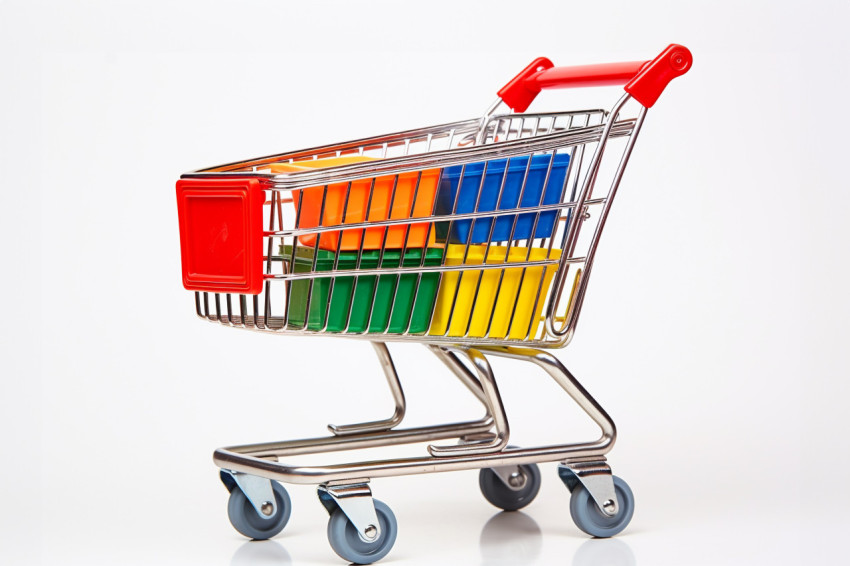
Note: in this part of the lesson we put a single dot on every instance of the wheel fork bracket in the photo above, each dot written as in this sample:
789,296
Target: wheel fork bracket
355,500
512,476
258,491
596,477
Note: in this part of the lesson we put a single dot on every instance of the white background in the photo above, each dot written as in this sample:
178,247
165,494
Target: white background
714,331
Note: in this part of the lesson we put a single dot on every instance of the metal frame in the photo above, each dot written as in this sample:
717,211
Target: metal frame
483,442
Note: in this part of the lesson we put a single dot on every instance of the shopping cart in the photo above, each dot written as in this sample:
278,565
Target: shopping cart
463,237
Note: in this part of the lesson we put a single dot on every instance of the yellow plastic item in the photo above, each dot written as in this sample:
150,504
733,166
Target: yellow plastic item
516,289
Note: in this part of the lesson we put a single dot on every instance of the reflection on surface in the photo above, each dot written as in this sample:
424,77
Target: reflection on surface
604,552
260,552
510,538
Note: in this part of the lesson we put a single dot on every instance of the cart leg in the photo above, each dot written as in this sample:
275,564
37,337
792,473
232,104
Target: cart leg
562,376
601,503
465,376
493,400
453,362
398,396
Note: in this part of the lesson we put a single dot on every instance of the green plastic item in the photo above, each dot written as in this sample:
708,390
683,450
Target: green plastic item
351,297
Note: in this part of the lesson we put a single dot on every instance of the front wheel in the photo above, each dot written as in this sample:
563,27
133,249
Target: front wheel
347,543
248,522
589,517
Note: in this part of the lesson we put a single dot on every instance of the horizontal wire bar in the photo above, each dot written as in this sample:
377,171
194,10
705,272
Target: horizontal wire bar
420,269
276,325
429,219
433,159
452,128
444,158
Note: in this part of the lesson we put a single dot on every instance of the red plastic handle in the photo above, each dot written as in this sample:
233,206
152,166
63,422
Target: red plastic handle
644,80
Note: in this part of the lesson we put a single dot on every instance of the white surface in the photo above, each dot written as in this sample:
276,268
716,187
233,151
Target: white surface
714,331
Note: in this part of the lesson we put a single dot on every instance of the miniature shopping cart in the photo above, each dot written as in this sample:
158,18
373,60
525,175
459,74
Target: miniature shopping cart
474,238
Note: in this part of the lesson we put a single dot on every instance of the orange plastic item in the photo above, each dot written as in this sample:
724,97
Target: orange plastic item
358,202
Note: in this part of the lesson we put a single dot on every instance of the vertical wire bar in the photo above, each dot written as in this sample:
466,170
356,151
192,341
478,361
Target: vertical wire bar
268,301
530,239
442,260
567,176
531,235
292,254
381,252
359,259
575,153
283,267
494,220
572,235
510,239
529,242
469,237
340,238
544,268
314,263
448,241
483,273
606,208
466,244
580,171
401,261
422,260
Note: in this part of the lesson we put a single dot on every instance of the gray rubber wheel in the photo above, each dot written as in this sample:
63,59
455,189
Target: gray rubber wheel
248,522
349,546
589,517
503,497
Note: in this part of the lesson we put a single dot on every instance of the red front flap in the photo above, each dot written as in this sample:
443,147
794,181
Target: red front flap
221,234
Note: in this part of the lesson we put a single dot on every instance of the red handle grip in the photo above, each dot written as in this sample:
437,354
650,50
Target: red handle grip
644,80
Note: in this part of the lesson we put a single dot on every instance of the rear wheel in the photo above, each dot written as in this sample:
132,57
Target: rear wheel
504,497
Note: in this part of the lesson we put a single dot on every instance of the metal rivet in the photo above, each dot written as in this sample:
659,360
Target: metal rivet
371,532
609,506
267,508
516,479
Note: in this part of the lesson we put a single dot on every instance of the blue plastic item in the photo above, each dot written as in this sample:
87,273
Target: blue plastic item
472,185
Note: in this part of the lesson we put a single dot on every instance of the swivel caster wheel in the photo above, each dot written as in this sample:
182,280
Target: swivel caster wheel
506,497
589,517
245,519
351,547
